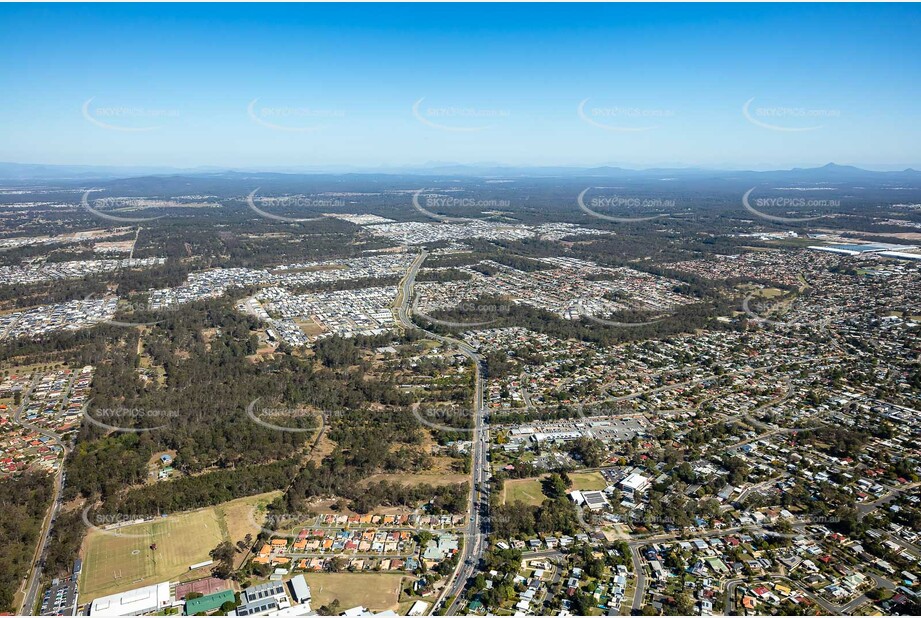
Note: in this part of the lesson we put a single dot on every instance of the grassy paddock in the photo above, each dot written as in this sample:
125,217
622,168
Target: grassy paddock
376,591
587,480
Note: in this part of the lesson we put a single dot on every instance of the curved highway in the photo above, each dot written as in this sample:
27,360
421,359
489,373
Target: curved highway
478,524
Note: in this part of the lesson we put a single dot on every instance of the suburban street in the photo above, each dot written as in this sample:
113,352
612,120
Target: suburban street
639,590
33,582
868,507
636,546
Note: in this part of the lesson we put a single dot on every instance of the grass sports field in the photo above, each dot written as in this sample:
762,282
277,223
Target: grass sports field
377,591
523,490
530,491
117,562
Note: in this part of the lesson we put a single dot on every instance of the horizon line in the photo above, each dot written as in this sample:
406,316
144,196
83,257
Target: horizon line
155,169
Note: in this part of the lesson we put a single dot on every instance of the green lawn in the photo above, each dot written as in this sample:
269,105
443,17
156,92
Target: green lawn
587,480
523,490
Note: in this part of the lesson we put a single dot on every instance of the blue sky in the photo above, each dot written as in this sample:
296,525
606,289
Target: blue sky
270,86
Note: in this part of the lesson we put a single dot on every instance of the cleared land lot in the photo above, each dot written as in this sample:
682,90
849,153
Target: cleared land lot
436,480
377,591
115,562
241,517
587,480
530,491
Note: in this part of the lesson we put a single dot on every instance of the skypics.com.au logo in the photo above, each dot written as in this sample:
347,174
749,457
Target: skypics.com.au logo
622,119
130,420
787,203
787,119
587,314
291,119
458,119
765,308
441,202
486,309
290,420
125,305
623,202
103,207
449,419
129,119
290,203
113,523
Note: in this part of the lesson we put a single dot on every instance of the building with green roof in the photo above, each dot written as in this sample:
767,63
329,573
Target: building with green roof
208,603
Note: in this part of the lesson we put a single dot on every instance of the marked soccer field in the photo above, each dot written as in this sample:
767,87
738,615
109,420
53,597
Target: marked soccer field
117,562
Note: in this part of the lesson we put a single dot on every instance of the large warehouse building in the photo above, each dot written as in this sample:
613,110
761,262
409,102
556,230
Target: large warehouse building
134,602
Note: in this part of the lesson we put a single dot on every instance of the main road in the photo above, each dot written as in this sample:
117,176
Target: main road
478,523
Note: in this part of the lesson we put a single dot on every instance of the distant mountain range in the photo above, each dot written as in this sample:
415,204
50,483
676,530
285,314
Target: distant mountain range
25,172
40,171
